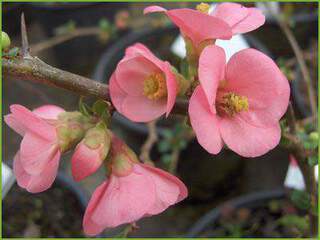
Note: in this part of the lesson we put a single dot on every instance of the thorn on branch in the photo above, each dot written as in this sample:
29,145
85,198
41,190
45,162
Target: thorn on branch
24,37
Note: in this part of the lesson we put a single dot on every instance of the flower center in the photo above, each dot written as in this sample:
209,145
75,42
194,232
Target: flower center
231,104
154,86
203,7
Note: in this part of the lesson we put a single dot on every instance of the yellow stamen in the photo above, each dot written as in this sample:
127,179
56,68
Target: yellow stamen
231,103
203,7
154,86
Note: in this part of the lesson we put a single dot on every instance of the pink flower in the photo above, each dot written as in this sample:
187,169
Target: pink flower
133,190
36,163
226,20
90,153
196,25
143,87
238,17
239,103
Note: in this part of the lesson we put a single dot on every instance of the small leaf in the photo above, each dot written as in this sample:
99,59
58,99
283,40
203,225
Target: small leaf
104,25
184,68
168,133
291,220
164,146
301,199
313,161
100,106
84,108
166,158
13,52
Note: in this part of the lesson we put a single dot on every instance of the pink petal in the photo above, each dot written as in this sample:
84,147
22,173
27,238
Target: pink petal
138,49
48,111
212,64
254,20
132,72
90,227
36,152
85,161
169,189
231,13
248,140
172,87
126,200
40,182
204,122
15,124
199,26
152,9
33,122
254,75
142,109
116,93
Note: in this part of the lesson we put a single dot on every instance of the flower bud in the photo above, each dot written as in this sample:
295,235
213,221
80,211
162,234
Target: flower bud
5,40
314,136
90,152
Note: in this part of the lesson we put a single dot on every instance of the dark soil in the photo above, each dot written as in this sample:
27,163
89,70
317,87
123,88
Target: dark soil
261,221
54,213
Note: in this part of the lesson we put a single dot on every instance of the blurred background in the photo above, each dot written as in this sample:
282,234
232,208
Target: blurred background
89,39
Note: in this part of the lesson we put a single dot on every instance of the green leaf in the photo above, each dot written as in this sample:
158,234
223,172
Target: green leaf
104,25
13,52
184,68
84,108
291,220
301,199
164,146
100,106
168,134
166,158
313,161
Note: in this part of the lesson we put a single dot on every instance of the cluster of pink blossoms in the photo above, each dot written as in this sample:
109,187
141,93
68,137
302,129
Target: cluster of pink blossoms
238,103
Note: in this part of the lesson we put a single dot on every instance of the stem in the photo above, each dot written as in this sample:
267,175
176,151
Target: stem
81,32
300,154
300,58
148,144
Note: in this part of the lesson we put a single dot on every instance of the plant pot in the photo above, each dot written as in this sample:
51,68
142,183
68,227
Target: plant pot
154,39
260,208
57,212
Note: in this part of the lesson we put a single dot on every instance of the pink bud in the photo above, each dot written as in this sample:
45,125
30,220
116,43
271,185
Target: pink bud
90,153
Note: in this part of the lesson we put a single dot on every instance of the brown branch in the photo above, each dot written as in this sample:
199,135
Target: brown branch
80,32
148,144
35,70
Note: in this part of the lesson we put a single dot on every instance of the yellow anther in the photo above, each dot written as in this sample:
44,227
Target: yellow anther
232,103
154,86
203,7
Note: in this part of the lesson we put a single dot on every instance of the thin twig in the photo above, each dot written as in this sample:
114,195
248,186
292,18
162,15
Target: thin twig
174,161
150,141
300,58
80,32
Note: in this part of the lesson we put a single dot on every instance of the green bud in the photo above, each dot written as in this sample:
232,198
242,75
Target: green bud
5,40
314,136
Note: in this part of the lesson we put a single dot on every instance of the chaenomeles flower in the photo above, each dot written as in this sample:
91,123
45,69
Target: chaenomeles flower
143,87
132,191
36,163
90,152
199,27
47,132
239,103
